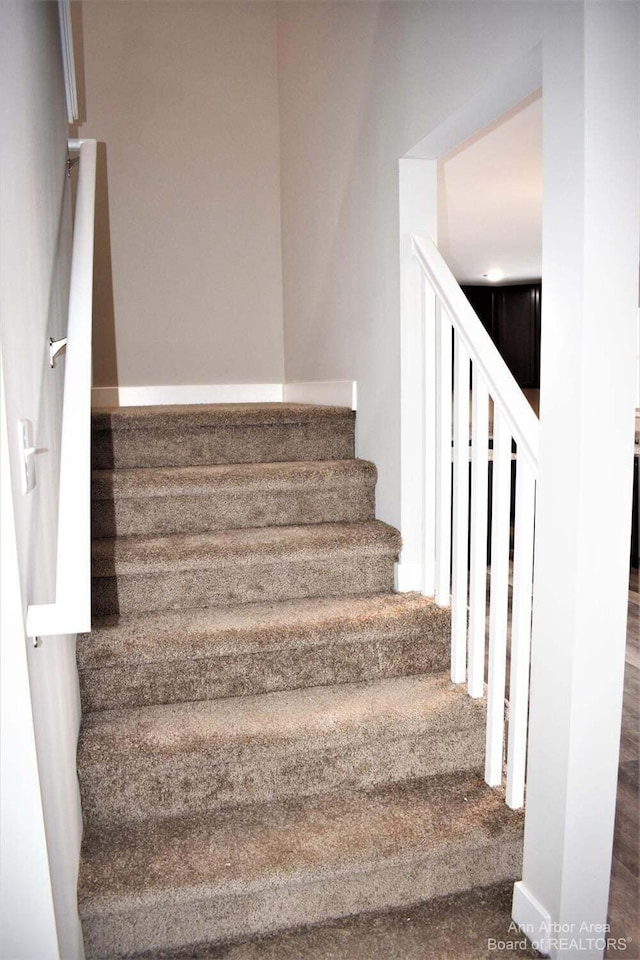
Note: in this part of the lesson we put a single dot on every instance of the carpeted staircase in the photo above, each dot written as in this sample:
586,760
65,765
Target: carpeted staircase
269,738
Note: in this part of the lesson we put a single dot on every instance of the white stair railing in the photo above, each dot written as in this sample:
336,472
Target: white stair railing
71,610
459,351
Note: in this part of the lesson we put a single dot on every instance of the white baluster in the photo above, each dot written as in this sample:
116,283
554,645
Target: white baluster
520,632
499,604
429,478
460,544
479,510
443,457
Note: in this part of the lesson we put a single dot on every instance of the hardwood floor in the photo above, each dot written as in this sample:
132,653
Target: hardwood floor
624,897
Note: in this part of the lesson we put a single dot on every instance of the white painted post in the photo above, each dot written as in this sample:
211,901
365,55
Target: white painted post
418,213
460,515
499,602
479,510
429,444
591,236
520,632
443,458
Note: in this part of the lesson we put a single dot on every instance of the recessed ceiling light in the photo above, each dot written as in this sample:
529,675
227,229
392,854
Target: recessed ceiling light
494,275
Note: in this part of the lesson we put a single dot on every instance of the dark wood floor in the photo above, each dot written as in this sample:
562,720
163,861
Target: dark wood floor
625,889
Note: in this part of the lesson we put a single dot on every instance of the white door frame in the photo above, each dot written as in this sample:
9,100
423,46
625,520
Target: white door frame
418,194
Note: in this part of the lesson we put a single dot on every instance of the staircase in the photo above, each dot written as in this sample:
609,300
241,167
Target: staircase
270,738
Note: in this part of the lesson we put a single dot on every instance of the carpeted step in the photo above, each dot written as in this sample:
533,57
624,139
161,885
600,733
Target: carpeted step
180,436
138,574
259,648
189,758
466,925
162,500
252,870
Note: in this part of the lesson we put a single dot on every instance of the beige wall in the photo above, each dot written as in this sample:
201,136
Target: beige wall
188,273
360,84
301,111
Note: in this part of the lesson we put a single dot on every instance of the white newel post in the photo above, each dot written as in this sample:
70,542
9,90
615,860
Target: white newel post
590,275
418,212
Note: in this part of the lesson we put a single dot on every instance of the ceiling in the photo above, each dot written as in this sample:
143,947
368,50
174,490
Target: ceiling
490,199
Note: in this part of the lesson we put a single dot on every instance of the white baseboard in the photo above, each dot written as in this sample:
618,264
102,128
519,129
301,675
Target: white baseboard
532,918
341,393
105,397
335,393
408,577
189,393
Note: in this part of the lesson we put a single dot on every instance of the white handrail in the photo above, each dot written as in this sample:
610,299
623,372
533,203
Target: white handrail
71,610
504,389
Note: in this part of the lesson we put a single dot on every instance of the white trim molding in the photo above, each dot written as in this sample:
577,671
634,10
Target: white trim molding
68,59
189,393
341,393
105,397
408,577
531,917
334,393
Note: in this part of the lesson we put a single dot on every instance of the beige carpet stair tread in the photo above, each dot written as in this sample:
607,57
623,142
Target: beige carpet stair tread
244,477
255,869
270,738
145,555
249,844
257,648
457,927
253,628
183,436
160,501
176,759
175,417
340,712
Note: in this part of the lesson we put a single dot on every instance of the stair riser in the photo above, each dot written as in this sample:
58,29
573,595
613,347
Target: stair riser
253,673
279,579
194,783
266,443
215,915
229,510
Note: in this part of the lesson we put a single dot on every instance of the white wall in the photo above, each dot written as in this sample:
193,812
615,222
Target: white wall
185,98
27,920
380,76
34,257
